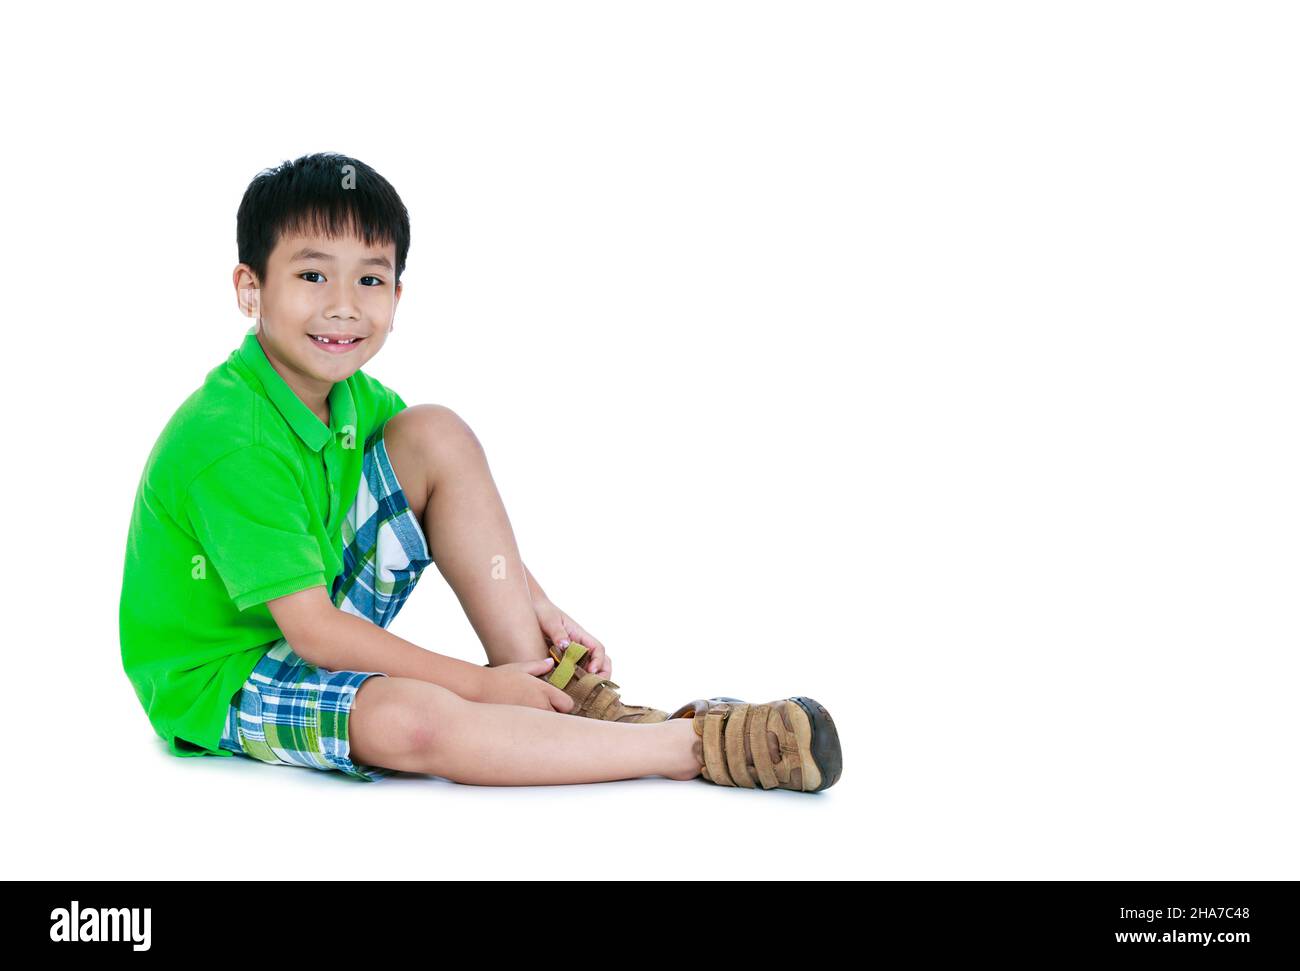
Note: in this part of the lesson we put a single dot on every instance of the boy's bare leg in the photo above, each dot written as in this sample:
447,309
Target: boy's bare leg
444,474
416,726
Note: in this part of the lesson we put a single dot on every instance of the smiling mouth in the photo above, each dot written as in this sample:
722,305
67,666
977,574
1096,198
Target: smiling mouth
320,339
335,345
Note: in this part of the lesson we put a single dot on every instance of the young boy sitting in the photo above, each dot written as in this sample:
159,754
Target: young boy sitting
291,504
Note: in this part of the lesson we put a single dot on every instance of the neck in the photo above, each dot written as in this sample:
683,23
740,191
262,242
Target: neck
312,392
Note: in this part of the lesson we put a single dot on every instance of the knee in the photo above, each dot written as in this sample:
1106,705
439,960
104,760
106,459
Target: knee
425,731
408,716
426,721
436,428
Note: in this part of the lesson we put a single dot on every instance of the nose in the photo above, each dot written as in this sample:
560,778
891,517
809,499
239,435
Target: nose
341,303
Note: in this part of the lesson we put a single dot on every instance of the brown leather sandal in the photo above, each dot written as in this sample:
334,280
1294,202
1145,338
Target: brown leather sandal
594,696
789,744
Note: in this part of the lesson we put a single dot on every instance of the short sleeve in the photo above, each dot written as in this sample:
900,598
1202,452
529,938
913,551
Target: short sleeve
249,512
397,404
389,403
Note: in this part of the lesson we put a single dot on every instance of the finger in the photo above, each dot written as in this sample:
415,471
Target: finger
560,701
580,634
553,628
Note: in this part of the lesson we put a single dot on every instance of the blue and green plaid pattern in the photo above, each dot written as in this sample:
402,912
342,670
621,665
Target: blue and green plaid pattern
290,712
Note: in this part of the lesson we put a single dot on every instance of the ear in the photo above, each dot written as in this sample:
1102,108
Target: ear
247,293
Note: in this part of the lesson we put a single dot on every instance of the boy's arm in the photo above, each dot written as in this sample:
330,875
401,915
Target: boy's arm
329,638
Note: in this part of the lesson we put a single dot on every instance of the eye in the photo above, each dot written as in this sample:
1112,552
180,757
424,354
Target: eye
378,282
310,273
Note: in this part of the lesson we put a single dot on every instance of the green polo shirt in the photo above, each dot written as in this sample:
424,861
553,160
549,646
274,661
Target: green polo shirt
242,500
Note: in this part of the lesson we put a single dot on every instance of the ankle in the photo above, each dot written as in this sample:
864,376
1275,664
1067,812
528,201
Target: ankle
684,763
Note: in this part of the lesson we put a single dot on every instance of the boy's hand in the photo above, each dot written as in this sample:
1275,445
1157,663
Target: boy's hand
522,683
560,628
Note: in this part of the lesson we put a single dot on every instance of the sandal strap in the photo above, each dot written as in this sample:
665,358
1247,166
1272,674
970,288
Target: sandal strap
598,697
710,727
591,693
737,745
565,666
758,750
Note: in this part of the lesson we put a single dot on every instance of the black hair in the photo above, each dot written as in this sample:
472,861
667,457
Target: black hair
325,194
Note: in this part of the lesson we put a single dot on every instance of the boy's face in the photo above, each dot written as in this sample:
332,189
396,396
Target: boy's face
317,287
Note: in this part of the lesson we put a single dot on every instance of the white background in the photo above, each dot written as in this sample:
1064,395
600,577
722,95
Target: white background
934,360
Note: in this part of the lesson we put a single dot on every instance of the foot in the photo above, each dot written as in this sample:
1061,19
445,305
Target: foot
790,743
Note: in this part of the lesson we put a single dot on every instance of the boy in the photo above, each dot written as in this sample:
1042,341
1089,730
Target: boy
292,502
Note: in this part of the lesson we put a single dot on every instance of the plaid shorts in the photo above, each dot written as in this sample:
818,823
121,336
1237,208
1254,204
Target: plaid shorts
290,712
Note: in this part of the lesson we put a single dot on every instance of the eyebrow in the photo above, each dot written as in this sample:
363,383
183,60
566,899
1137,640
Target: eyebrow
307,253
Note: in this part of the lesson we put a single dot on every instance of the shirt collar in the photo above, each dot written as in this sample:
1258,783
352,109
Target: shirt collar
313,431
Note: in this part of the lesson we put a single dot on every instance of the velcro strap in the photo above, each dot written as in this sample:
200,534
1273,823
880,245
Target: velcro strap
714,756
564,670
604,698
758,746
583,691
735,745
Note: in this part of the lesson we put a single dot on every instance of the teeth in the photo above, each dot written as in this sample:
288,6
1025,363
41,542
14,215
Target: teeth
323,340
